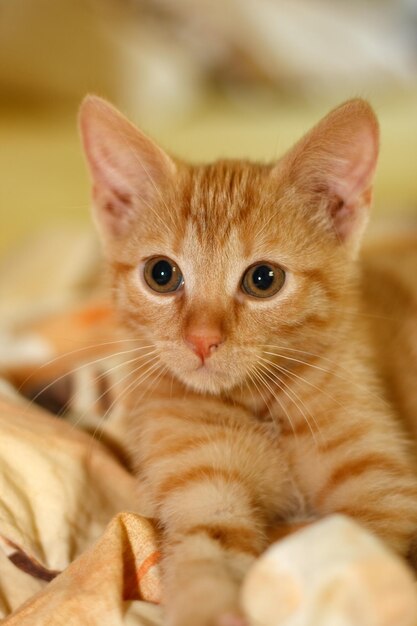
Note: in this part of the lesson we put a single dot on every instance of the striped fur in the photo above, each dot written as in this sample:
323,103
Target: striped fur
288,419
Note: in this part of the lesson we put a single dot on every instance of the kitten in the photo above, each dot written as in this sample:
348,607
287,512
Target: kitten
254,398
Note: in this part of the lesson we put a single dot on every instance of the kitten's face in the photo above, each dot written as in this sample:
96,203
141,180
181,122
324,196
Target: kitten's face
223,265
221,244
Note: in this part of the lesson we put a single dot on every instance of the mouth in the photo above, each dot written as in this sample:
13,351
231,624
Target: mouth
206,378
204,368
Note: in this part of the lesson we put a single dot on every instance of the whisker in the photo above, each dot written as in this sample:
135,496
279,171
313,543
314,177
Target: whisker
282,408
152,362
250,388
72,352
152,385
287,391
312,354
288,372
134,384
76,369
349,380
256,374
289,358
106,373
253,381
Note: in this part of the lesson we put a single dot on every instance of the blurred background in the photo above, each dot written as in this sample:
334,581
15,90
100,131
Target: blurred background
206,78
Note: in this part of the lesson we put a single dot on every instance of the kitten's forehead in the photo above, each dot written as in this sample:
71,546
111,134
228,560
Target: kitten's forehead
220,198
233,208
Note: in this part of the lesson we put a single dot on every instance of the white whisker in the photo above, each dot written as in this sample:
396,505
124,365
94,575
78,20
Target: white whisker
135,383
117,382
152,385
78,368
288,372
281,405
348,380
72,352
287,391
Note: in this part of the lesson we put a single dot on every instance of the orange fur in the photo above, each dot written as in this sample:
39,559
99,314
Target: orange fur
286,418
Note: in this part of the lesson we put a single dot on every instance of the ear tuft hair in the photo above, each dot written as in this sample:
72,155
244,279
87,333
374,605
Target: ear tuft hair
126,166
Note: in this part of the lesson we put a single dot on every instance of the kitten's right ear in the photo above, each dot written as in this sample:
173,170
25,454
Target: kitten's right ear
128,169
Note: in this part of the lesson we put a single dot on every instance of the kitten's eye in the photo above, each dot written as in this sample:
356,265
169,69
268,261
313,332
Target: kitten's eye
263,280
162,275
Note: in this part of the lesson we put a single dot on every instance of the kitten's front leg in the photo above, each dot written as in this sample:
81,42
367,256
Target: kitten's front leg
213,476
360,466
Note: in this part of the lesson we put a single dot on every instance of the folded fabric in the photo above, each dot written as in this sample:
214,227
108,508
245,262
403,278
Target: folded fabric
59,490
101,585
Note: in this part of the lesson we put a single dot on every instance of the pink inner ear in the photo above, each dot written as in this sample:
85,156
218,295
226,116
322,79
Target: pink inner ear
115,202
344,218
351,185
351,173
113,210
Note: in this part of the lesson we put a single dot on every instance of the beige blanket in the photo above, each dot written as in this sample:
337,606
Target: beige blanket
61,497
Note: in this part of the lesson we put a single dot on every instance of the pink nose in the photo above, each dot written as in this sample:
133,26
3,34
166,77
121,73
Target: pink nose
203,344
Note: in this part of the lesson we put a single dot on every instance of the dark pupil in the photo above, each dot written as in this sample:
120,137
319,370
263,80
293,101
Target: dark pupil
162,272
263,277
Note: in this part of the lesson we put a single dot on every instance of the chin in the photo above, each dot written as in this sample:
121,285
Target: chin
203,380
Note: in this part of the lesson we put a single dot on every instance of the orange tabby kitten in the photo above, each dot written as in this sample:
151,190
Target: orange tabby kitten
254,397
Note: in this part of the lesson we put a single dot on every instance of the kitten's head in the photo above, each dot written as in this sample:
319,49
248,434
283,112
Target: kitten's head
223,264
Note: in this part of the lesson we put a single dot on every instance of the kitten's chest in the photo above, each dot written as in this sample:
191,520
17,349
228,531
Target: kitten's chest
301,437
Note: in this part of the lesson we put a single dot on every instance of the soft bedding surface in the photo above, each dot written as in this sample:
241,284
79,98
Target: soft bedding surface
76,544
59,512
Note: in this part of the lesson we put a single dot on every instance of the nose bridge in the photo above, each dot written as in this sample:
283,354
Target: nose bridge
206,304
206,317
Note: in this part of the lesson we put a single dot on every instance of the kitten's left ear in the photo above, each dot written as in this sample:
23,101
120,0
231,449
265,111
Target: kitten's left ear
336,161
128,169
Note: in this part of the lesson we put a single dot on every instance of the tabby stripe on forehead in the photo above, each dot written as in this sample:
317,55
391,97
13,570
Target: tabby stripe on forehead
355,468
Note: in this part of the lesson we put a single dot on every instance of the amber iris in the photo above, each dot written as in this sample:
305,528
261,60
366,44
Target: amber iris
263,280
162,275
